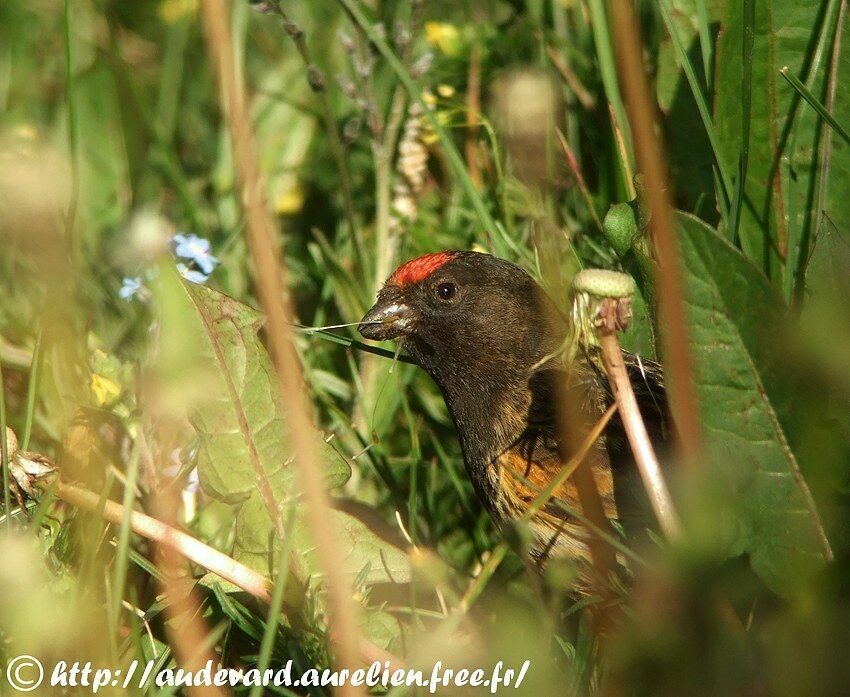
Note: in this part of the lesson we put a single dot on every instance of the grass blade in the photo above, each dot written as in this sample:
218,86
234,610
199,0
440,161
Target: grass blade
699,96
746,114
813,101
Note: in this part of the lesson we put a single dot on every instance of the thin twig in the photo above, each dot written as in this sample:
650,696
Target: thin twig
15,357
186,545
585,98
579,179
196,551
473,116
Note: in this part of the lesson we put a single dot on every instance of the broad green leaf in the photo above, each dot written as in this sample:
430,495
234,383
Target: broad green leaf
360,548
381,628
244,456
736,321
776,188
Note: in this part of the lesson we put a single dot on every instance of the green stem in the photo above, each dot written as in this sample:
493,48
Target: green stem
798,246
608,71
32,390
815,103
699,97
705,43
276,605
124,536
385,245
72,120
746,115
353,343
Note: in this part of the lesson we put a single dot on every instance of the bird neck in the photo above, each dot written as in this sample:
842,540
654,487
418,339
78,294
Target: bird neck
490,409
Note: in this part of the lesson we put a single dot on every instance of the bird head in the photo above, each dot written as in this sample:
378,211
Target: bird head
461,313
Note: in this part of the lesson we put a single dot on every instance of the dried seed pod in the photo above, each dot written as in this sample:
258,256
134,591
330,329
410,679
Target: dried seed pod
402,36
421,66
351,130
411,166
349,89
11,442
316,78
293,29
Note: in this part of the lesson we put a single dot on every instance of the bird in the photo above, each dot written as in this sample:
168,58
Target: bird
491,339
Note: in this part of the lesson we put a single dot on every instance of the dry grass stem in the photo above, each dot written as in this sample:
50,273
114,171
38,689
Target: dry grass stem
651,162
269,273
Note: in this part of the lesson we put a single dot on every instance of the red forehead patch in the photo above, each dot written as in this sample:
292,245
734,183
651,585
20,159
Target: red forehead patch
420,268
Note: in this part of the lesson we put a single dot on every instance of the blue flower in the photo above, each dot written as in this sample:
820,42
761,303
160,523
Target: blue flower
192,275
196,249
131,287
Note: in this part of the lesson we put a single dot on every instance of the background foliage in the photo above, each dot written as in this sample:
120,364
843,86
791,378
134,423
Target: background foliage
386,130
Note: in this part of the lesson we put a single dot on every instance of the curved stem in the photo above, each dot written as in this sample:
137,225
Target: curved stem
647,462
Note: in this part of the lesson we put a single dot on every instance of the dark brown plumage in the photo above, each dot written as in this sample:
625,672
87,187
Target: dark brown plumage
489,336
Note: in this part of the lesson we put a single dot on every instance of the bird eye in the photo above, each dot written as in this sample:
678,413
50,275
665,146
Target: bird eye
446,291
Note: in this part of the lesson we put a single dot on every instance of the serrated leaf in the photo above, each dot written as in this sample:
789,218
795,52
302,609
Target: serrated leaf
244,455
243,437
736,318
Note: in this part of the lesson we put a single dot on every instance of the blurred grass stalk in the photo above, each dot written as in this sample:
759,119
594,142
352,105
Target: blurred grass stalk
269,275
651,162
527,104
36,229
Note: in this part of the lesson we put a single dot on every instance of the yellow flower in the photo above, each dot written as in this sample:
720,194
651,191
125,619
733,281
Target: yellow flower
445,91
26,131
105,390
290,200
429,136
444,36
172,11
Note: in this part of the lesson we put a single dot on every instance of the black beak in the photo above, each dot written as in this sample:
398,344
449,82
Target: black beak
389,318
